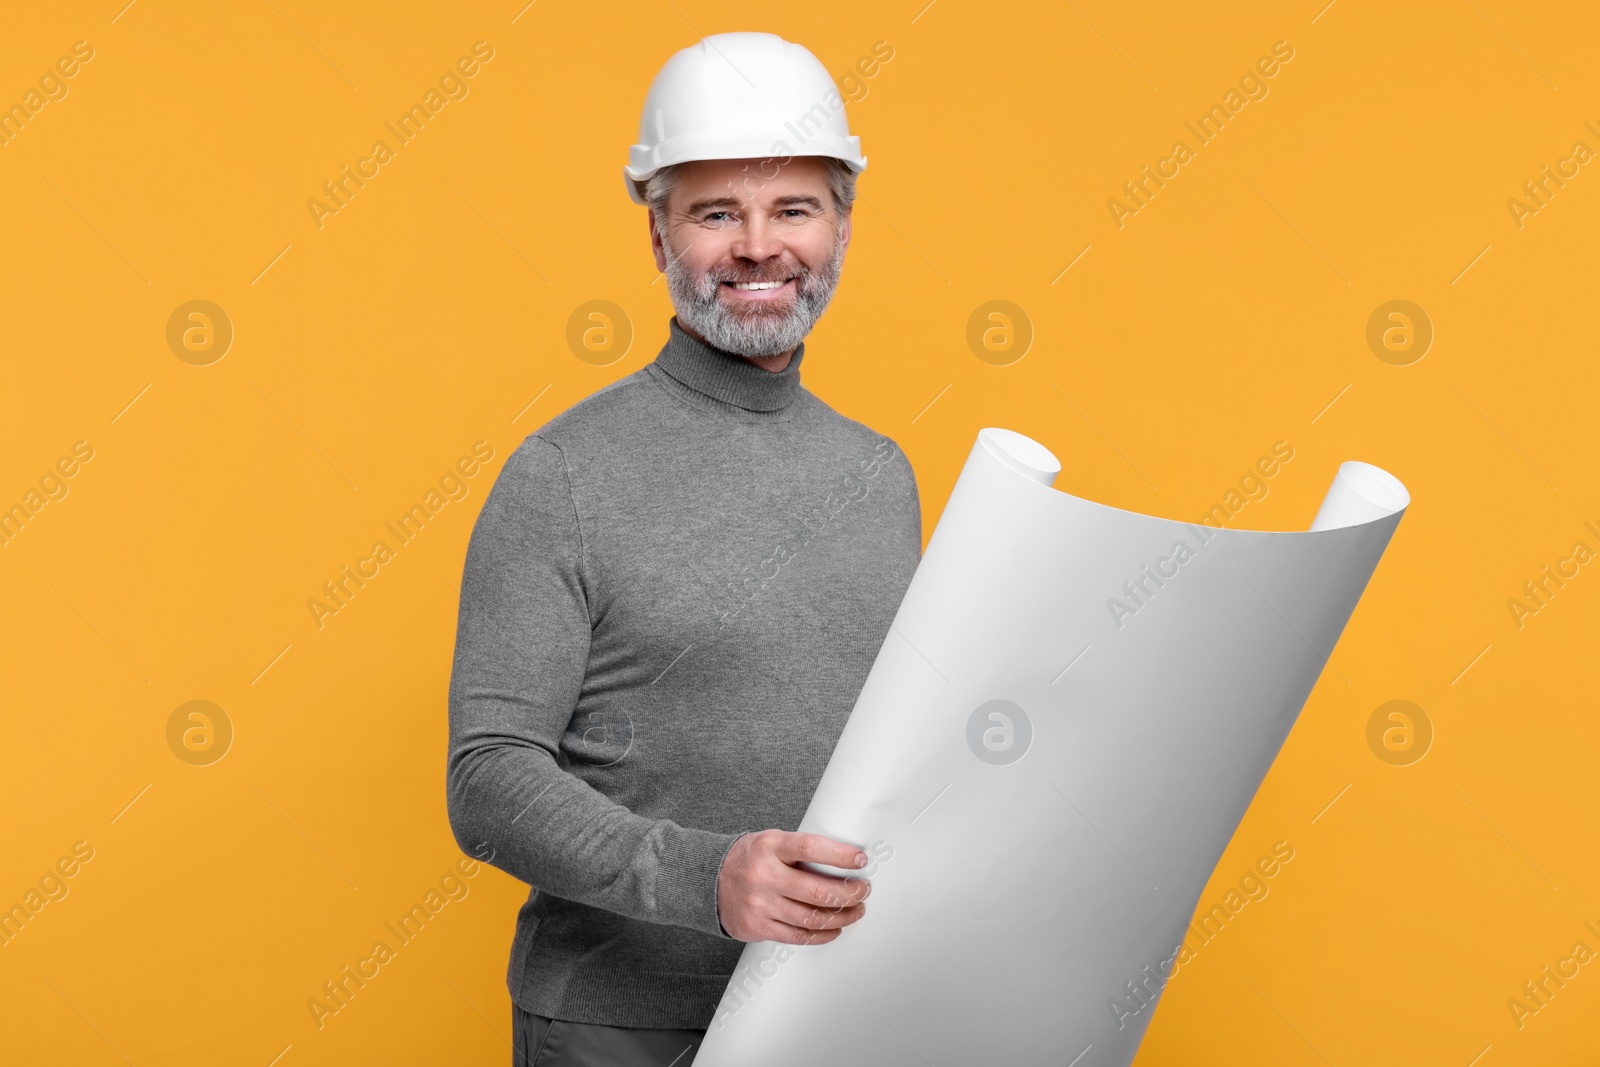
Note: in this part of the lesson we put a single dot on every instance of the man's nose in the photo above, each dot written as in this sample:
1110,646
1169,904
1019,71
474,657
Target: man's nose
757,240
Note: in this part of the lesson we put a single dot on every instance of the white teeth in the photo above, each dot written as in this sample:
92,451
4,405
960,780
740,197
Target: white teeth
751,286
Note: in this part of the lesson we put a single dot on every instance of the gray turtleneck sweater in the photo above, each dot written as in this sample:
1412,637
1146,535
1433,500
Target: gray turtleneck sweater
671,600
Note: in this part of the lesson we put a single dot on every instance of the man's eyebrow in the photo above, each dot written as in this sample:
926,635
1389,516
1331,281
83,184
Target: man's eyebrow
718,203
722,203
800,200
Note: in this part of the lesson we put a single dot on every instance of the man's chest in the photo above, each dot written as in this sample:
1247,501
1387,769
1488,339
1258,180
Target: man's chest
753,567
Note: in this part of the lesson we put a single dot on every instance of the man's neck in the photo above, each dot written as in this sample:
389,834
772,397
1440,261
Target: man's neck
775,364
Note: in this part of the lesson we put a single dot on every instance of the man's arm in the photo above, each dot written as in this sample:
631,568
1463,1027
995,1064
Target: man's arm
522,642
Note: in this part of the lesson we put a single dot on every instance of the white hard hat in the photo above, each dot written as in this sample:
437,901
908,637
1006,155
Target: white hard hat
740,96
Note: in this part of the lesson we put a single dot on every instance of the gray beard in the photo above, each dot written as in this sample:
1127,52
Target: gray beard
757,330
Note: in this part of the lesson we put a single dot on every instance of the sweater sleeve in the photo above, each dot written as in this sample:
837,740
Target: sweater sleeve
522,644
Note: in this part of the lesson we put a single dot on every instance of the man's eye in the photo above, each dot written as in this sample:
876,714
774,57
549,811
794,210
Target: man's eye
714,216
793,211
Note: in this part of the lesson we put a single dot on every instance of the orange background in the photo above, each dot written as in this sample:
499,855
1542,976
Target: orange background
431,312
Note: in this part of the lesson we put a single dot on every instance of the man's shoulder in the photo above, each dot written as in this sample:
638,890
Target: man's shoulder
601,414
599,420
855,432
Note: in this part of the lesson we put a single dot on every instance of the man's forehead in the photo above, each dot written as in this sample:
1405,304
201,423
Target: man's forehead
753,182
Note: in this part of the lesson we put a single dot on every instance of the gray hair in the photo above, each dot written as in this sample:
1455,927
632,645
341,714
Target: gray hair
657,189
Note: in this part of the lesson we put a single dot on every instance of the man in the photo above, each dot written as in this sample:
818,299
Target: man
674,592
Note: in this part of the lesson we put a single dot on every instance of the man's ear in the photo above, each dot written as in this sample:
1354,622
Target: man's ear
655,243
844,227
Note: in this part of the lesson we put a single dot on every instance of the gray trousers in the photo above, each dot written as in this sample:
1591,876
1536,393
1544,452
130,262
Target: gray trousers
541,1042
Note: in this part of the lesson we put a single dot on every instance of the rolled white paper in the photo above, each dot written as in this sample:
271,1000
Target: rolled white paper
1072,710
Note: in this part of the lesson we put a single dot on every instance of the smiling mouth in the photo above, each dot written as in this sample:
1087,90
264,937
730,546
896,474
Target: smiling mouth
760,292
757,287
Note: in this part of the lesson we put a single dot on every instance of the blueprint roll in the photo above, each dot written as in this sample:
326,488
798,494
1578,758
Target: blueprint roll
1069,716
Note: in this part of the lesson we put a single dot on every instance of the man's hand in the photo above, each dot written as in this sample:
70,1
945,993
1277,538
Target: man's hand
762,896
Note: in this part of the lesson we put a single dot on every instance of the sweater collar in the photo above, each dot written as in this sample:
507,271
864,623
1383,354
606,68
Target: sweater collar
726,377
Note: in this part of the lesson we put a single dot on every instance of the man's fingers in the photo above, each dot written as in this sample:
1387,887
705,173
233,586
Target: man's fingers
767,898
809,917
822,890
814,848
773,930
